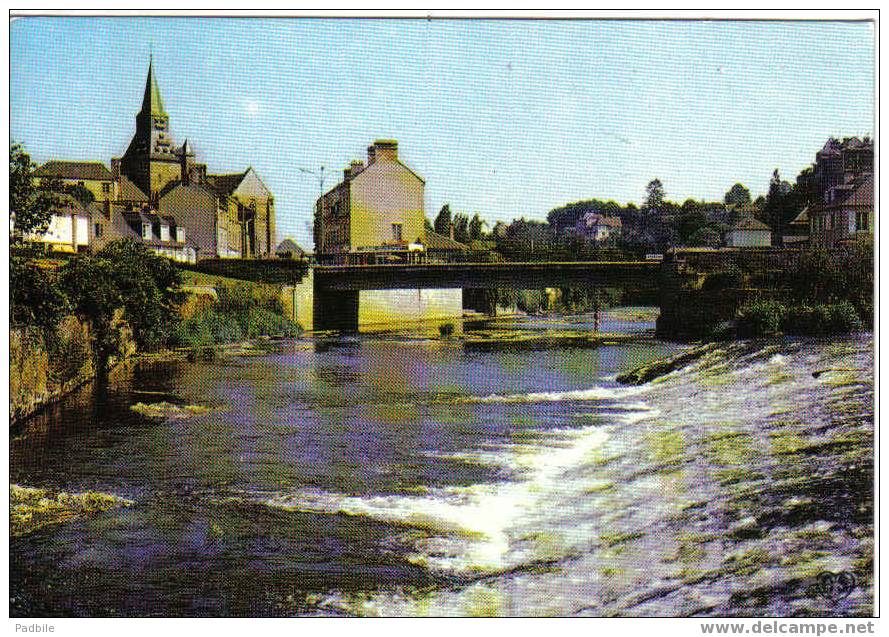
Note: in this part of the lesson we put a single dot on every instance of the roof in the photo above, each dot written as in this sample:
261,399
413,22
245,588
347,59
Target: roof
749,223
152,102
130,191
92,170
802,217
289,246
594,218
435,241
226,184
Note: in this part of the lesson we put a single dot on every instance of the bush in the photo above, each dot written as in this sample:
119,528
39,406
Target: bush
264,322
760,318
724,280
821,319
842,318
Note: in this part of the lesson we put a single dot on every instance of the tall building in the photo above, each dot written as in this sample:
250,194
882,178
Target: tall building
377,210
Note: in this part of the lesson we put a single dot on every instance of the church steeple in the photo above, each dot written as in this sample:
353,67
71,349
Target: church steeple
152,102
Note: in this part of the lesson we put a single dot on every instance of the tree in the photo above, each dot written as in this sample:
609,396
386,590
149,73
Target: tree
654,195
777,204
461,228
30,206
475,228
443,220
124,276
148,283
737,195
81,194
36,298
94,298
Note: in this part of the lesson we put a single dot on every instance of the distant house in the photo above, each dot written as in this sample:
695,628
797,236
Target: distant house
288,249
440,248
748,232
847,214
797,231
598,228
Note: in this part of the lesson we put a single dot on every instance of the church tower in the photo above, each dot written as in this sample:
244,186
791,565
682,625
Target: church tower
151,161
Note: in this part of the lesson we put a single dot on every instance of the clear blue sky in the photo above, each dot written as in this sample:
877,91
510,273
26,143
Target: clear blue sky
503,118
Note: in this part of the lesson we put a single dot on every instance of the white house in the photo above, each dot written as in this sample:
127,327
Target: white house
748,232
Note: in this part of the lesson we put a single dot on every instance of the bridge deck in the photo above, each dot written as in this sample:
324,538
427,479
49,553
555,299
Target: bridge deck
526,275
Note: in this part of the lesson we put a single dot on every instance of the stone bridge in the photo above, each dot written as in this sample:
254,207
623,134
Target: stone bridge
328,297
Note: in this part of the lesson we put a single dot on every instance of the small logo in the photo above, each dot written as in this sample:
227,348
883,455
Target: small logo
836,586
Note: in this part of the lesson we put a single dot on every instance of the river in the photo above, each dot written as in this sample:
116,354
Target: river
503,471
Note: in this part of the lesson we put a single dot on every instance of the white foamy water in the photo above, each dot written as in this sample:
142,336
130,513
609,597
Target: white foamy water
481,528
594,393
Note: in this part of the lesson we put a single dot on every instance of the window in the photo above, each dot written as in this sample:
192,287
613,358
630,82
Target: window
146,231
98,230
180,235
165,232
861,221
106,188
396,232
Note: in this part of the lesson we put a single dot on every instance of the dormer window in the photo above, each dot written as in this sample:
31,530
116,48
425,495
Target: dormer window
146,231
180,234
165,232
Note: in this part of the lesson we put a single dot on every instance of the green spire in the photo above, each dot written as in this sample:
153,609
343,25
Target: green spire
152,102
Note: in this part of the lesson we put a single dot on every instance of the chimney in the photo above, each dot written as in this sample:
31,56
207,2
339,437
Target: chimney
357,167
371,154
387,148
347,173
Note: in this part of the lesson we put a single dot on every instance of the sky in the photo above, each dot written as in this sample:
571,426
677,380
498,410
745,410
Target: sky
507,119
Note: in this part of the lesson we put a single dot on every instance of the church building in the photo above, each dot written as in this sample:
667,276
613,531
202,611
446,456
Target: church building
158,193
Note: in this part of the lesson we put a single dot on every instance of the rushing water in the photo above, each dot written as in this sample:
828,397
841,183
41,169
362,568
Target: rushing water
405,474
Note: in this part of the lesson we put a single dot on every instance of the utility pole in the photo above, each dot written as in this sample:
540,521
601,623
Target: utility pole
319,175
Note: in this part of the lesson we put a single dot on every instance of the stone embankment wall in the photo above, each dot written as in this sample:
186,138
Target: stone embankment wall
45,367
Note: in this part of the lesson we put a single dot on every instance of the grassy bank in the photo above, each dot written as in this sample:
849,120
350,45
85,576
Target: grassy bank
241,311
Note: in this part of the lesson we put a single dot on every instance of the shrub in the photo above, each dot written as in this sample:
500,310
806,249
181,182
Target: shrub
760,318
842,318
821,319
723,280
264,322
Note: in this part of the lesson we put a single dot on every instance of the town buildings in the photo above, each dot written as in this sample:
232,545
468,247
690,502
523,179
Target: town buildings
158,193
843,177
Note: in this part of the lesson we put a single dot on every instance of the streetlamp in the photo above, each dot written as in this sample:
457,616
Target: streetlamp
319,175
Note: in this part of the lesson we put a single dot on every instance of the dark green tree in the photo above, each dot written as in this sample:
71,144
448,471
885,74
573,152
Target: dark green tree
30,206
81,194
148,284
654,195
125,276
737,195
475,228
95,297
36,299
461,228
443,220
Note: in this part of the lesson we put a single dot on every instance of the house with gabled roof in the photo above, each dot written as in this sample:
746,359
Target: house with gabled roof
377,209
